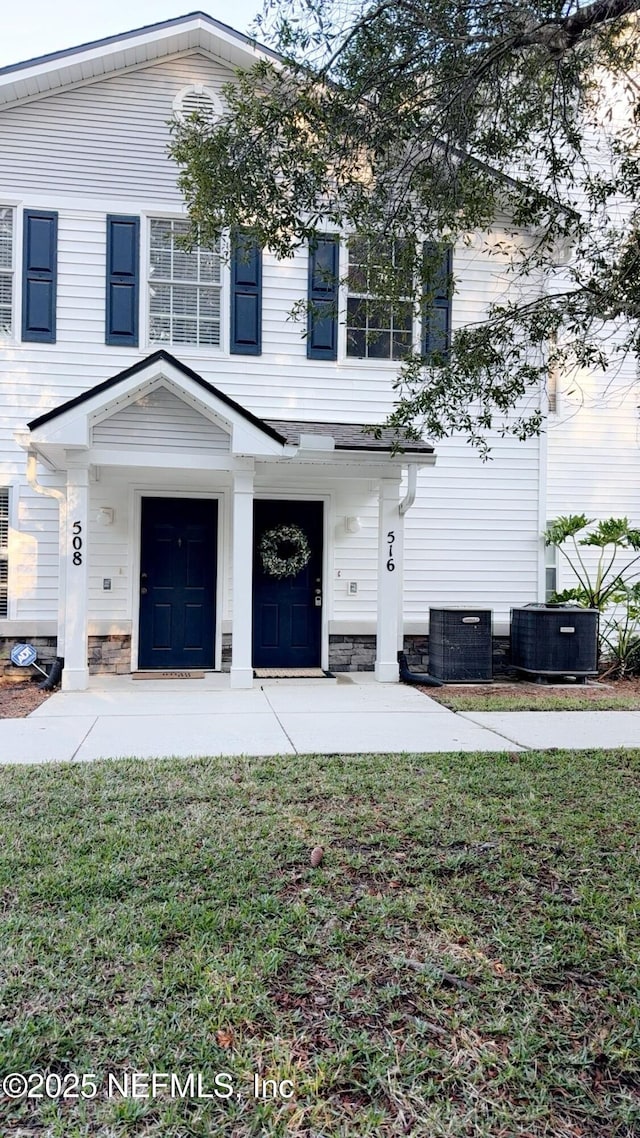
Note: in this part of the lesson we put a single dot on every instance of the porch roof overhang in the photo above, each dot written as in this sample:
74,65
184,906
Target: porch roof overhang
67,433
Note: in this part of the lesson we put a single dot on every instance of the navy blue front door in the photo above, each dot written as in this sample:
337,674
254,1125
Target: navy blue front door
287,611
177,583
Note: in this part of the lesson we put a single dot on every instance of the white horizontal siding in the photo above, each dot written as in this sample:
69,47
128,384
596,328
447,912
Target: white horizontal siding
108,552
82,245
594,455
108,138
161,421
472,536
33,557
355,555
279,383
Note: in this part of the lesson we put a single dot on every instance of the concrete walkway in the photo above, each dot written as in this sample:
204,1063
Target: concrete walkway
119,717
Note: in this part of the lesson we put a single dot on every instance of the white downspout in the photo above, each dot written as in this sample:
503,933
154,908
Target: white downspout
61,496
412,483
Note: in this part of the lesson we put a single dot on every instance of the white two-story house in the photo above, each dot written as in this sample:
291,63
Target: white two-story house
185,481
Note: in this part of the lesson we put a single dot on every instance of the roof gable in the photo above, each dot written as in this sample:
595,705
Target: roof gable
125,408
70,423
161,417
58,70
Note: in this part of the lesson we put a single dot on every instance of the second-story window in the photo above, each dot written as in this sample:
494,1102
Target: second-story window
378,329
184,287
6,270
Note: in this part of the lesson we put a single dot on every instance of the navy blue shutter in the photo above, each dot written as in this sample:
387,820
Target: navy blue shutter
436,321
39,276
322,321
123,275
246,296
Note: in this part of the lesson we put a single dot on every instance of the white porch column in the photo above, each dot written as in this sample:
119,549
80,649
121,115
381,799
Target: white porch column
389,580
242,577
75,676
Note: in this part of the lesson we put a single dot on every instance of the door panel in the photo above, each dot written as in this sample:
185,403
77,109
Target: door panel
177,583
287,621
268,625
161,625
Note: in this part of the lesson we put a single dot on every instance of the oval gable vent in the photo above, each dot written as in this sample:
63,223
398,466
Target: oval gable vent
197,99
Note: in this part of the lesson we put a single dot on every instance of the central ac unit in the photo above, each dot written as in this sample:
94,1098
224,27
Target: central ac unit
460,646
552,640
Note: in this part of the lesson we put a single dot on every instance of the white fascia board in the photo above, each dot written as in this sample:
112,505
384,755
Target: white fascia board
251,441
364,459
315,473
158,459
90,64
70,430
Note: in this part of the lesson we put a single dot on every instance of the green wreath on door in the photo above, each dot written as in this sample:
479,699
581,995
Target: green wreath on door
284,551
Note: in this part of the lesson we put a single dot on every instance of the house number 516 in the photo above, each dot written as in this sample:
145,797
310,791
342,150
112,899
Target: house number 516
76,542
391,537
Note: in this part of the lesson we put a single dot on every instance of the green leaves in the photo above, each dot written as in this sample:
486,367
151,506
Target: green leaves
613,531
611,585
562,528
375,122
571,596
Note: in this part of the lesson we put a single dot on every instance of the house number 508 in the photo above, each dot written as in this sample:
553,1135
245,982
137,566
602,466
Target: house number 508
76,542
391,537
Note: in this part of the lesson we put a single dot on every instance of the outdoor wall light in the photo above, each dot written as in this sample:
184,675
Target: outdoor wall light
352,525
105,516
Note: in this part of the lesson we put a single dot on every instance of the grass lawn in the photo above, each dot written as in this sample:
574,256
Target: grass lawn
464,962
623,695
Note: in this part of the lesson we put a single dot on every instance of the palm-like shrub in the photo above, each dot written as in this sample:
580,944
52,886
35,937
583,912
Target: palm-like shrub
612,586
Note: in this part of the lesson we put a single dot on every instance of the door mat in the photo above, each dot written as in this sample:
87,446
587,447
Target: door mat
292,674
167,675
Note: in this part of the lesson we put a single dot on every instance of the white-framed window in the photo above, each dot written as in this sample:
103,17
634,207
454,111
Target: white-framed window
377,330
6,269
4,551
185,287
550,571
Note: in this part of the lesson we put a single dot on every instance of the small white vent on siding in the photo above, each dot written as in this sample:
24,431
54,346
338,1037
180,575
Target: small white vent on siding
199,100
4,551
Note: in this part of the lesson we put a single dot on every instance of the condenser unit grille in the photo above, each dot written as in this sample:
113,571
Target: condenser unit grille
460,645
555,641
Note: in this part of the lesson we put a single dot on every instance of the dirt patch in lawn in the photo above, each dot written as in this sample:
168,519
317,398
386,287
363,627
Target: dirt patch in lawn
18,698
523,695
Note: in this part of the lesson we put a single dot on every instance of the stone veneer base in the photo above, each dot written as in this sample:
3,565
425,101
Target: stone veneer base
112,654
358,653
